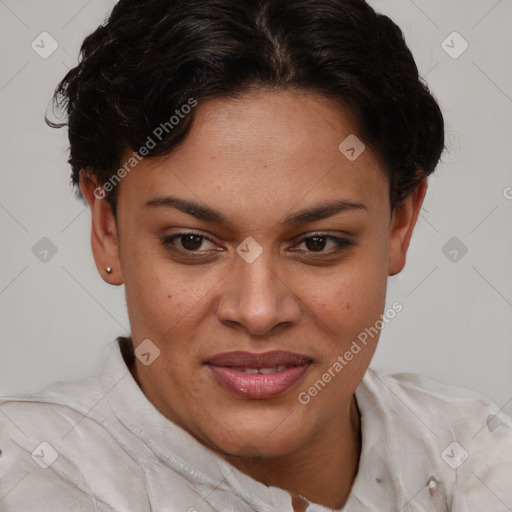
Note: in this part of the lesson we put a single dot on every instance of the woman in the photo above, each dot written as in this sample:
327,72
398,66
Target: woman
254,172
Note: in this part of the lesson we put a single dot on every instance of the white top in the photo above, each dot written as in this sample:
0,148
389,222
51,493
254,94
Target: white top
99,445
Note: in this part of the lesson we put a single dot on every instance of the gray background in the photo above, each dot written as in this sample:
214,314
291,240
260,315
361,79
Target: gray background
57,316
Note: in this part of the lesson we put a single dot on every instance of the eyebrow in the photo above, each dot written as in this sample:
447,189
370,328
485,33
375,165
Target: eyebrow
207,214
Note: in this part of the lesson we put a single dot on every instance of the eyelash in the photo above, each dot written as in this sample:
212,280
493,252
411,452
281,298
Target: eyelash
342,243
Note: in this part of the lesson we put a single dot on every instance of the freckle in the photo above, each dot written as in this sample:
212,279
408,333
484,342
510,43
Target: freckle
348,305
169,296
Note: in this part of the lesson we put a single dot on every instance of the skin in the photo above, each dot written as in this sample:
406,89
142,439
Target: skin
258,159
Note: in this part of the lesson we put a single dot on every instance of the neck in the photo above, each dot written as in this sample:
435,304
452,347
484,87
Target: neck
323,471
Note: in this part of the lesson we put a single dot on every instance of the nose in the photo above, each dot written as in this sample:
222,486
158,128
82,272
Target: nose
256,298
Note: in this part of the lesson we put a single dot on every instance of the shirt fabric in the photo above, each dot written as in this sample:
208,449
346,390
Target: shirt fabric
99,445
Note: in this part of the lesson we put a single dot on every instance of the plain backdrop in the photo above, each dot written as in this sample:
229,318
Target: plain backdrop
58,315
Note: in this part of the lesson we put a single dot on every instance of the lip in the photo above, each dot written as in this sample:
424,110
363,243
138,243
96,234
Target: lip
259,360
225,368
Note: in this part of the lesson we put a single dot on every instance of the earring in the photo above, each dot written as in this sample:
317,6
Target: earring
109,270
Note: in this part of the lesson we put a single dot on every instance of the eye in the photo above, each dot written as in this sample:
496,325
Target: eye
318,242
189,242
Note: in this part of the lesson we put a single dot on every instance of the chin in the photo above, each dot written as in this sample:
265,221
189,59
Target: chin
259,439
260,447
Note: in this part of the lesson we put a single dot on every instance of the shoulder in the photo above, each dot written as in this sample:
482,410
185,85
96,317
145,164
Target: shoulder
461,435
31,434
50,413
439,404
56,450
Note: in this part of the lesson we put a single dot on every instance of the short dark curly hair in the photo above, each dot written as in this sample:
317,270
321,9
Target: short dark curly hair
150,57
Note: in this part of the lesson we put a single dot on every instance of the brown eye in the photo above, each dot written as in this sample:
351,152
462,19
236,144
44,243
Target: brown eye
188,243
318,242
191,242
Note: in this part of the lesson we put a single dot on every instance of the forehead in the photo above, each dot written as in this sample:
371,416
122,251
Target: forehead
280,146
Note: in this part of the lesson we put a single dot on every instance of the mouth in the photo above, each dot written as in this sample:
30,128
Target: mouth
258,376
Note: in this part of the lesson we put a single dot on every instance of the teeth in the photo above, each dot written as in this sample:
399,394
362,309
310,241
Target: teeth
263,371
268,370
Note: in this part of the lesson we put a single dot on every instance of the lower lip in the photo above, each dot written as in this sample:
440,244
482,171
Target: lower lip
257,386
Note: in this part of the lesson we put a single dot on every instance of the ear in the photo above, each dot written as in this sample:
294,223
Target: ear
402,225
104,239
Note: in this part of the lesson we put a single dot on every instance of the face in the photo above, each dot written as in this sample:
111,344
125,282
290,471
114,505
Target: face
259,264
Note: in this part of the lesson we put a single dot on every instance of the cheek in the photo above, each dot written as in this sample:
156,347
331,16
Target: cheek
154,300
159,300
353,297
166,301
153,286
355,302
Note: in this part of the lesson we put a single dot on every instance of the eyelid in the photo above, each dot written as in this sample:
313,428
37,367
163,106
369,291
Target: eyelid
192,232
327,234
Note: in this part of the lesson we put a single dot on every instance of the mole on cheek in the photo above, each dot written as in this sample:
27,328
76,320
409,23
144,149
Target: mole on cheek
348,305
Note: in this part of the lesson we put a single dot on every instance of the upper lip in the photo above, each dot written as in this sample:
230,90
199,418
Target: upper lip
261,360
